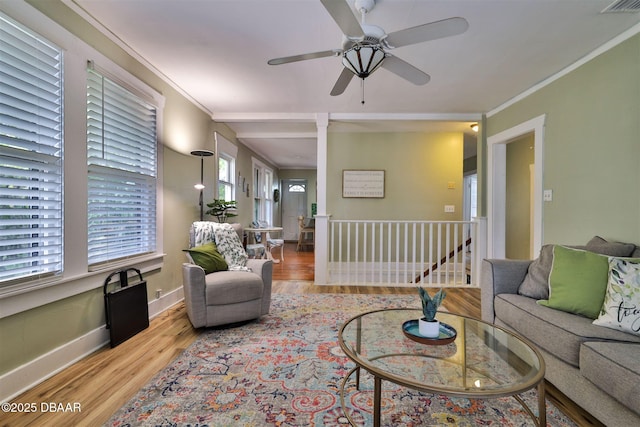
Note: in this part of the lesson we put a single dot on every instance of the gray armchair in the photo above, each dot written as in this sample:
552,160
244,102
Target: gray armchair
226,297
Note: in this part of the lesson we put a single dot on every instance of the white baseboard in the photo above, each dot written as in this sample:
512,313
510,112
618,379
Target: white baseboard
34,372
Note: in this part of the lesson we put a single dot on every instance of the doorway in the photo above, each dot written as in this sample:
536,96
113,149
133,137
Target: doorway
496,185
294,204
519,192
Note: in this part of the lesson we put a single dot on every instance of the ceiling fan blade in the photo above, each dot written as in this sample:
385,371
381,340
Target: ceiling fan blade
405,70
343,81
344,17
304,57
425,32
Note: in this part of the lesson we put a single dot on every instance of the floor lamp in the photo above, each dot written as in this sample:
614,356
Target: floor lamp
200,186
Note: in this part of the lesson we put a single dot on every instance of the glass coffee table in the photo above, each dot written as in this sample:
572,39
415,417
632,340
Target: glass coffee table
484,361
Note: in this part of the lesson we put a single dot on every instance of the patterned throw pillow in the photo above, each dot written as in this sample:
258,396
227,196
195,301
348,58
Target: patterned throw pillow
230,247
621,308
226,239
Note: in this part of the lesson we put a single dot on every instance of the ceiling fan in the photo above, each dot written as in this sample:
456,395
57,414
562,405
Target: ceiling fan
365,47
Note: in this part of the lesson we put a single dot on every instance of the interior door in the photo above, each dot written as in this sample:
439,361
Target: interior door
294,204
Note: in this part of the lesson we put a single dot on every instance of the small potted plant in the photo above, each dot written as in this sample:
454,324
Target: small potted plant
222,209
428,325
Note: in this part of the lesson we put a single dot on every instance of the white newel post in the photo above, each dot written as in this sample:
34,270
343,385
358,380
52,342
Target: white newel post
322,219
322,249
480,246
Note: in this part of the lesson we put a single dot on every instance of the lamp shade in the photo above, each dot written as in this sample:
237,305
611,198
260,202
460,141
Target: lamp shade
363,59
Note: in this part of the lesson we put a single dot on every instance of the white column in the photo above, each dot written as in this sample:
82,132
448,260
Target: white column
322,218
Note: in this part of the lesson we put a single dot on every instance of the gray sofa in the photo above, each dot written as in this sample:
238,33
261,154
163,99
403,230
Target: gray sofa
224,297
596,367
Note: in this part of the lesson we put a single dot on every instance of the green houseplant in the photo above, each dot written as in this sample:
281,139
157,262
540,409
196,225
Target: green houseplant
428,325
222,209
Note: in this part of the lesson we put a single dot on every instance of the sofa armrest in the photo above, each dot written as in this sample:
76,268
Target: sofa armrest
499,276
264,269
194,284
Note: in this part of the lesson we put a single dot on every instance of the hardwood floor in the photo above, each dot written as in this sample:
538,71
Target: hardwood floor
105,380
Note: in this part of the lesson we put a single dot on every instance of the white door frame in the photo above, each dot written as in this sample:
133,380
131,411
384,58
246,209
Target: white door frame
496,185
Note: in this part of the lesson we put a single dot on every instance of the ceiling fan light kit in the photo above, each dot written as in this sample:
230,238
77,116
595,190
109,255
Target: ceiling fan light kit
365,46
362,60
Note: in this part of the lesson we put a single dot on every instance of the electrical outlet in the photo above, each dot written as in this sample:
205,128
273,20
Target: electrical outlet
158,293
547,195
449,208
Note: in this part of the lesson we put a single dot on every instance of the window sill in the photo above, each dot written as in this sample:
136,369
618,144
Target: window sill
26,296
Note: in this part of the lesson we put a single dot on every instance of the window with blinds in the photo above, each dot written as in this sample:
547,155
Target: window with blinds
122,168
31,123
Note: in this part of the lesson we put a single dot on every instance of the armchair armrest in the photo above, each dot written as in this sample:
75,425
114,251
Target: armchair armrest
264,269
499,276
193,282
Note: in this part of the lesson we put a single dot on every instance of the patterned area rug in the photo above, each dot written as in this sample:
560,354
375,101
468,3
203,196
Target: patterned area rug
286,369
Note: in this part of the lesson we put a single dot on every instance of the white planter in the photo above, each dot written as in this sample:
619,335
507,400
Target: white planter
429,329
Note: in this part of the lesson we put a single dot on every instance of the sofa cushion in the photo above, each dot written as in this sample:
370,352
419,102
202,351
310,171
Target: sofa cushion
208,257
536,282
614,368
577,282
621,307
558,332
600,246
230,287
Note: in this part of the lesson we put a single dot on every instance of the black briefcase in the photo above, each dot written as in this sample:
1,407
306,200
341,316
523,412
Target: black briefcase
126,307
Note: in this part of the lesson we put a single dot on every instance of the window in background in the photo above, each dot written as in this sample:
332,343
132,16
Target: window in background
262,197
122,161
226,177
31,155
297,188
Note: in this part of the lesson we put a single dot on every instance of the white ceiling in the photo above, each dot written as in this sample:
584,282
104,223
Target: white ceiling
216,52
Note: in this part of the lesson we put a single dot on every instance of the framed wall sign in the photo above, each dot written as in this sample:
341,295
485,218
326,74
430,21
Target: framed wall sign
363,183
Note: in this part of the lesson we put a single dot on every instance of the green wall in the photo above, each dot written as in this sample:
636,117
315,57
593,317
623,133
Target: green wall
591,147
418,168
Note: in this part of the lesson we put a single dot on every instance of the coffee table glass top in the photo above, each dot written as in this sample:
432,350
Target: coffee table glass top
483,361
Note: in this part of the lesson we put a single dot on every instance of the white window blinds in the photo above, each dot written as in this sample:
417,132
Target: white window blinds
30,155
122,162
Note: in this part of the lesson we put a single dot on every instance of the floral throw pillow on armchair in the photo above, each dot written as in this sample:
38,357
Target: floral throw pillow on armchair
226,240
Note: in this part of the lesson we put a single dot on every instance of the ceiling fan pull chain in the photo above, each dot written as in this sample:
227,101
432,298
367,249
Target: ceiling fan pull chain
362,85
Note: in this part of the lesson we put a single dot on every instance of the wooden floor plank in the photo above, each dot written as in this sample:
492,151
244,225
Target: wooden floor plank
104,381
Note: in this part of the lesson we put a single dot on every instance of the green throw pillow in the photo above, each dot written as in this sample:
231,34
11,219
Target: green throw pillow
577,282
208,257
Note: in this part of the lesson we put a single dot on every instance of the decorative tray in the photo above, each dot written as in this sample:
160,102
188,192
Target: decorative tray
447,333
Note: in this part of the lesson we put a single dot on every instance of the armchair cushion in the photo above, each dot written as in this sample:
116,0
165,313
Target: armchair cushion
208,257
232,287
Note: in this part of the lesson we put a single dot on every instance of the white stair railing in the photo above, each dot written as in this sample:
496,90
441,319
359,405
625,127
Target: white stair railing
403,253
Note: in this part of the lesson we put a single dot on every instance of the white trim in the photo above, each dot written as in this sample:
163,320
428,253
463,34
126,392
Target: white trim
25,377
598,51
263,117
496,184
455,117
225,146
17,300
